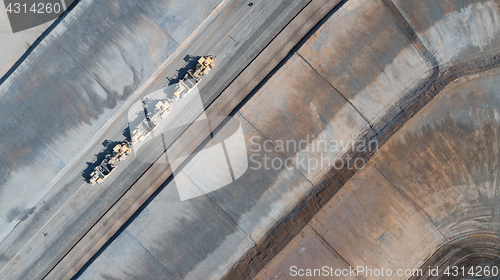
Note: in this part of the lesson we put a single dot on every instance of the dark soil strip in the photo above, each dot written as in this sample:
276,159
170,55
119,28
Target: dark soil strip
476,253
38,41
410,33
292,223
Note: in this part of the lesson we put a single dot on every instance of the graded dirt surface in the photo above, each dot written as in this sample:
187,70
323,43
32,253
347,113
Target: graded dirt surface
429,195
416,80
412,200
348,82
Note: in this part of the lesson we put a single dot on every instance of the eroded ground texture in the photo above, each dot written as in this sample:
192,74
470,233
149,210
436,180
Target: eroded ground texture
429,196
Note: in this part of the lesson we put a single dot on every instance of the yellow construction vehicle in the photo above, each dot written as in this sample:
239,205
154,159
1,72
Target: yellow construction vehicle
191,79
142,131
102,171
149,124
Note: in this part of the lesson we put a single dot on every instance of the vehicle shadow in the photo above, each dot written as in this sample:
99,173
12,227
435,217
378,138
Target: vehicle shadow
126,133
190,64
108,150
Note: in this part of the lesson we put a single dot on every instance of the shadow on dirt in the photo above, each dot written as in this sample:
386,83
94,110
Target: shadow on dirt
126,133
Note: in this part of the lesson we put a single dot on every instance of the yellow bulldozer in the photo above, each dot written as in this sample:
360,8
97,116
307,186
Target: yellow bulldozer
102,171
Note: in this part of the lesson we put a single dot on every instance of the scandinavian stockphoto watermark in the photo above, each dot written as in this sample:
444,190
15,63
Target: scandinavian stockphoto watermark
169,121
207,153
364,271
309,154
